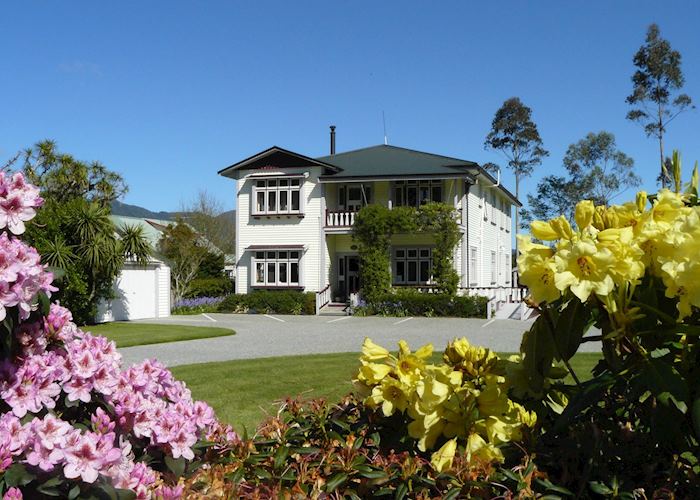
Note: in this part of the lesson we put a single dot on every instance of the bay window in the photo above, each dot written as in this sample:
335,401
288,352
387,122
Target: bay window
276,268
277,196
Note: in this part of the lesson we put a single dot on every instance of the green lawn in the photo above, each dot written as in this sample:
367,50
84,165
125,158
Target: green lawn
243,392
131,334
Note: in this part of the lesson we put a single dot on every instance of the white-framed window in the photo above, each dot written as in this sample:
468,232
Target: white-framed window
353,197
493,206
506,267
417,193
276,268
412,266
480,196
473,262
494,265
277,196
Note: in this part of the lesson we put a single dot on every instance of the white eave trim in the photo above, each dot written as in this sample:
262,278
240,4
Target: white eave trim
350,180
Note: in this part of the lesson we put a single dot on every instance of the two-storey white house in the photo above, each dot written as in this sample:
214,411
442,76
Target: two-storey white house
295,214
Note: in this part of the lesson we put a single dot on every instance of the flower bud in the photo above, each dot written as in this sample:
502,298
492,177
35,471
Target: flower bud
641,200
584,213
562,227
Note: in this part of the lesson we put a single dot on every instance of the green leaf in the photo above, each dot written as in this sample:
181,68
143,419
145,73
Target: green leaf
589,394
281,456
18,475
696,417
74,492
549,486
176,465
401,491
452,493
538,354
374,474
664,381
572,324
335,481
600,488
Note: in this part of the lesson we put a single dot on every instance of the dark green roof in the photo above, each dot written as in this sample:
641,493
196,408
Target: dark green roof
391,161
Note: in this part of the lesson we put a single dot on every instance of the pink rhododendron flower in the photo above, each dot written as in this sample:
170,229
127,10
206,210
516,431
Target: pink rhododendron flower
54,368
13,494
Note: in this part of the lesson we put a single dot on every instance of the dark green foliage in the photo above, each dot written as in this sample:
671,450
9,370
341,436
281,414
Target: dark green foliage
409,302
373,229
633,425
63,178
212,266
657,78
596,170
345,450
210,287
180,245
269,302
79,242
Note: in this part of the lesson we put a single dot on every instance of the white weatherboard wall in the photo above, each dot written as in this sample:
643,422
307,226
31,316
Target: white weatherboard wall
489,231
282,230
140,293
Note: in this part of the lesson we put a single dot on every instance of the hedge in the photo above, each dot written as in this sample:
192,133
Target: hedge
210,287
407,302
268,302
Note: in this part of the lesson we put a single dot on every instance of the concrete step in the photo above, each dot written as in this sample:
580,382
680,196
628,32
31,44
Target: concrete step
334,310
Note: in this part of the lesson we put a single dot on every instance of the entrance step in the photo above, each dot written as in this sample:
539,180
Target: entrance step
334,309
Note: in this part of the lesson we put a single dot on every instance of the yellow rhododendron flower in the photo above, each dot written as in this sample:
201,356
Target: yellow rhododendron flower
372,351
667,207
442,459
478,448
373,373
473,360
543,231
391,395
584,269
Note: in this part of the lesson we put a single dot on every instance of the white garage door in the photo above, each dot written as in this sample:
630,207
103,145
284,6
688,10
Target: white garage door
137,290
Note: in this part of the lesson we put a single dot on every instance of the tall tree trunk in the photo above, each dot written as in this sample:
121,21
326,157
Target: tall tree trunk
517,214
661,148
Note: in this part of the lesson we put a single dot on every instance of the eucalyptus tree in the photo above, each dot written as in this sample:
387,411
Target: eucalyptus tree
656,99
595,169
514,134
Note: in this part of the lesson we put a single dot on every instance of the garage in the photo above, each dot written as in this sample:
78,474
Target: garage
139,293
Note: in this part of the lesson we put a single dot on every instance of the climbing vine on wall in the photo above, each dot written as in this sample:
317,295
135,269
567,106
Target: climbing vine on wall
374,227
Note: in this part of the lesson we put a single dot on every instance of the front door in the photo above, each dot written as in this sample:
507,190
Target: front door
348,275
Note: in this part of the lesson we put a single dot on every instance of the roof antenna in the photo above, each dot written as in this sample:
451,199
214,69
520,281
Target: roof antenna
386,141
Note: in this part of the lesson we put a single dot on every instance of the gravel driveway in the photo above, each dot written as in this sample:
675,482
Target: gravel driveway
260,336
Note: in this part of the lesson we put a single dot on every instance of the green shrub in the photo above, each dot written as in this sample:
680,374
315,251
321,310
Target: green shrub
409,302
210,287
269,302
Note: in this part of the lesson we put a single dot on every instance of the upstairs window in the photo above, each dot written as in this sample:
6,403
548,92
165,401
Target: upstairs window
277,196
417,193
276,268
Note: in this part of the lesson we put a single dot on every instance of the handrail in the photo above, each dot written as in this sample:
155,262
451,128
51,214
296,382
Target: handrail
323,297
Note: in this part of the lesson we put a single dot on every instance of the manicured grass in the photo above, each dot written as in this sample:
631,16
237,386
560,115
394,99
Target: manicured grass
131,334
243,392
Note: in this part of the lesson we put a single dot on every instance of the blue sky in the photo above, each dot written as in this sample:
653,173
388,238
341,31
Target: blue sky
167,93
